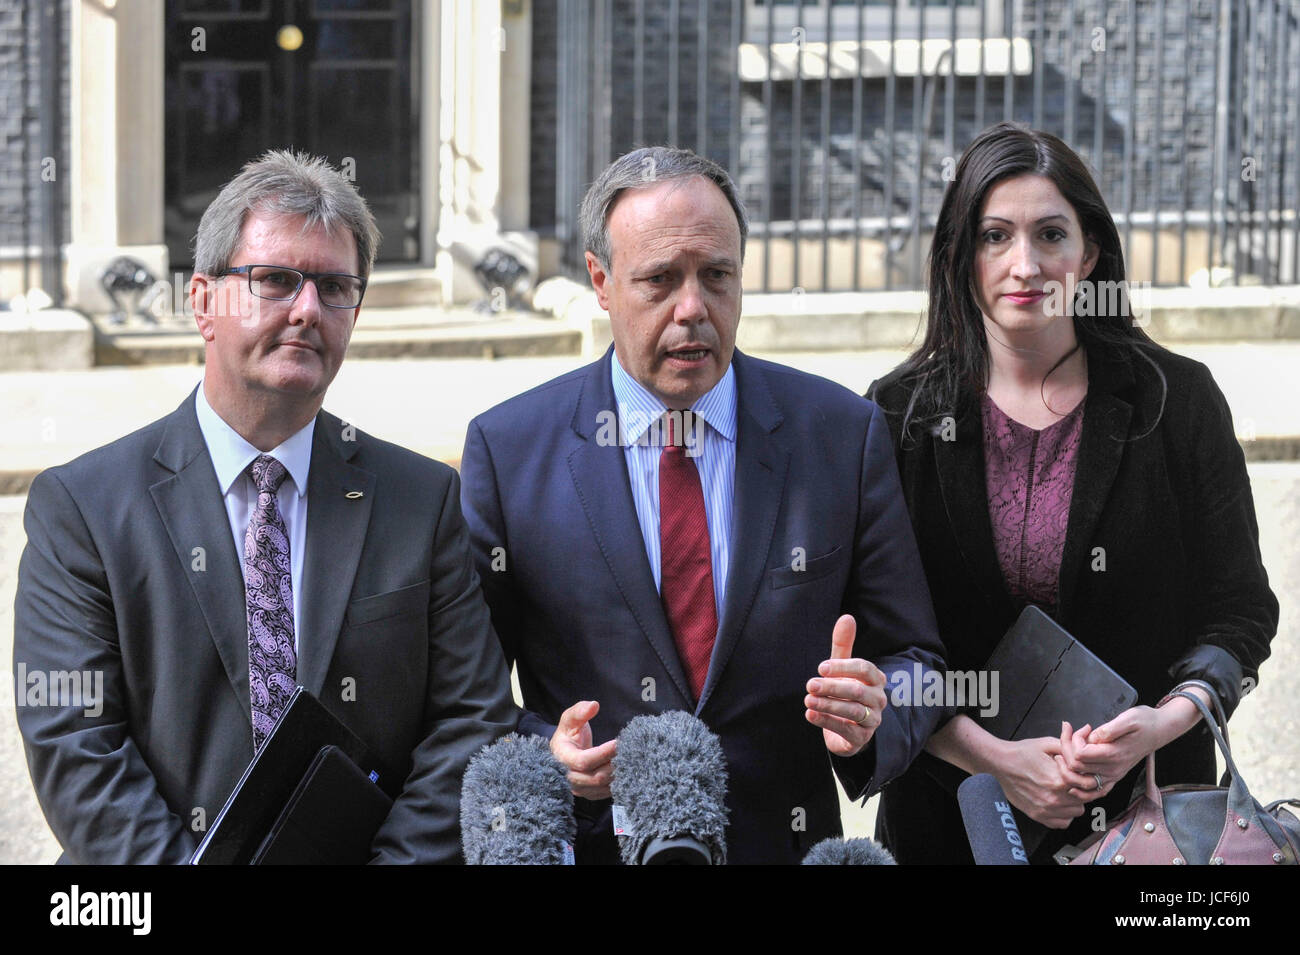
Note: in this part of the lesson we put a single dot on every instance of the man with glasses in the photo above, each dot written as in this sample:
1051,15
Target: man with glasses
192,574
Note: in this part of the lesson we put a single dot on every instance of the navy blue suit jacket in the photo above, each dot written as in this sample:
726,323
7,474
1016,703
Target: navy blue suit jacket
819,529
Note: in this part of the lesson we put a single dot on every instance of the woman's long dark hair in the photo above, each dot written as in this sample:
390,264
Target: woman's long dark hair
951,365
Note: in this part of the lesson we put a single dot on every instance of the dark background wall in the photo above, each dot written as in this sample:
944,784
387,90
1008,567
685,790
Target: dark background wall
21,119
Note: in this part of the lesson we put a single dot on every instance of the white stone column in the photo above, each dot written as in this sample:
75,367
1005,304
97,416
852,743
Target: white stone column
116,154
485,52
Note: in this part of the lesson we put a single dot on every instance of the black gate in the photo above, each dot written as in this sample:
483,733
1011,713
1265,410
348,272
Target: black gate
842,136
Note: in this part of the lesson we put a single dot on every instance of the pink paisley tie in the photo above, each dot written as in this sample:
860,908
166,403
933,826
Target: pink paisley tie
268,594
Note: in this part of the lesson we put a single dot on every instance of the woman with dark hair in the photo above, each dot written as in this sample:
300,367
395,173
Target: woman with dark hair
1052,454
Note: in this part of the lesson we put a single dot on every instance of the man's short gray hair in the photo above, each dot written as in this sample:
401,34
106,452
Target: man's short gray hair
644,167
282,182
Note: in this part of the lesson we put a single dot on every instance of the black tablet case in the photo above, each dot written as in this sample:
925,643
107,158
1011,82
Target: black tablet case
330,819
274,775
1046,676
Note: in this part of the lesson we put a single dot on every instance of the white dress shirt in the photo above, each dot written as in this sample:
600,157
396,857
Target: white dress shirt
231,455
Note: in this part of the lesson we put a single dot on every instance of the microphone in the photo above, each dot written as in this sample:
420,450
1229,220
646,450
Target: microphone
848,852
990,827
670,792
516,807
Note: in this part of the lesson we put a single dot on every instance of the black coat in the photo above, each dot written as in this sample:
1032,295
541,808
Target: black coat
1161,501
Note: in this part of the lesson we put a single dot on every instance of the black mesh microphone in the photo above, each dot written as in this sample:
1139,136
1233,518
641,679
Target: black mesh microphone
670,779
516,807
848,852
990,827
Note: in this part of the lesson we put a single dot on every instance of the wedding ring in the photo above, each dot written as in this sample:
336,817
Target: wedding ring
865,716
1098,778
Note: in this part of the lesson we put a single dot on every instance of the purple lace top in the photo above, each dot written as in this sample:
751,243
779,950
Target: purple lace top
1030,479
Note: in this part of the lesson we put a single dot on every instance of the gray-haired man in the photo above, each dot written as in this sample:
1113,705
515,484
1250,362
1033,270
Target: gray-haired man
200,568
642,577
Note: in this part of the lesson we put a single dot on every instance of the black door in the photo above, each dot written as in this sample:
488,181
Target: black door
333,77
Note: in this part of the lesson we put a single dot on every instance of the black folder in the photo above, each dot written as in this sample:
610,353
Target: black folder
1045,676
330,819
297,774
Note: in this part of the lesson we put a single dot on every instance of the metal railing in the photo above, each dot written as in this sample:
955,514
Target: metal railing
841,121
40,204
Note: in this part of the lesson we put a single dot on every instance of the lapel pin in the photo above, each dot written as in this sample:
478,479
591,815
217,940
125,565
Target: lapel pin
354,495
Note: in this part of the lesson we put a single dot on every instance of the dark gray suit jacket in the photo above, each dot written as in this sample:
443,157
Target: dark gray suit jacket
130,570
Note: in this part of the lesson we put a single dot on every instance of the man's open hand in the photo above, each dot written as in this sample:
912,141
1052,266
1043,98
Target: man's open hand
847,699
590,769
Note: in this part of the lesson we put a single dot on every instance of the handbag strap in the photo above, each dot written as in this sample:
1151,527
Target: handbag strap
1218,722
1222,720
1239,798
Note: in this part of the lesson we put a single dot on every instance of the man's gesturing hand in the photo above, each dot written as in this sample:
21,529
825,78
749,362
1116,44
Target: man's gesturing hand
848,699
590,770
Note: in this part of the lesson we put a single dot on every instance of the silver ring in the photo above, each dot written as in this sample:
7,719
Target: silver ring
1098,778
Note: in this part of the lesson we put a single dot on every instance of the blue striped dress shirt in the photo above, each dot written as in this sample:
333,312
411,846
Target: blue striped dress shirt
712,444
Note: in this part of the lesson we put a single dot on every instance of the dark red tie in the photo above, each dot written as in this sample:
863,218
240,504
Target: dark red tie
685,562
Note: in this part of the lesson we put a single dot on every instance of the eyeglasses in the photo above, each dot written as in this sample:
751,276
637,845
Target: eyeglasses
280,284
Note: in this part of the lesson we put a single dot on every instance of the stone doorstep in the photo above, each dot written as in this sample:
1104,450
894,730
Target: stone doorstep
834,321
46,340
487,339
398,287
16,482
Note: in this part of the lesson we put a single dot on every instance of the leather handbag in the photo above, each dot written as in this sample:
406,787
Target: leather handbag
1195,825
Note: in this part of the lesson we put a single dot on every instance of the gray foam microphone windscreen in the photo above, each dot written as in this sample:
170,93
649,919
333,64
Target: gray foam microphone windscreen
670,776
848,852
516,807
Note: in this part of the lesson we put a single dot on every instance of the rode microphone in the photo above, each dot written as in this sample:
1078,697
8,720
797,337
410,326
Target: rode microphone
990,827
670,791
516,807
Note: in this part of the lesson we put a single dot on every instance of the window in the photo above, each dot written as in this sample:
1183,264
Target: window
875,19
787,52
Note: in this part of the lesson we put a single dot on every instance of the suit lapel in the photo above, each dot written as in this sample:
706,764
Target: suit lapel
1106,418
336,532
191,507
762,463
600,477
960,464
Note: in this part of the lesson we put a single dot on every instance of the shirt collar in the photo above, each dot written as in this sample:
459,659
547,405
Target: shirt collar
638,408
231,454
